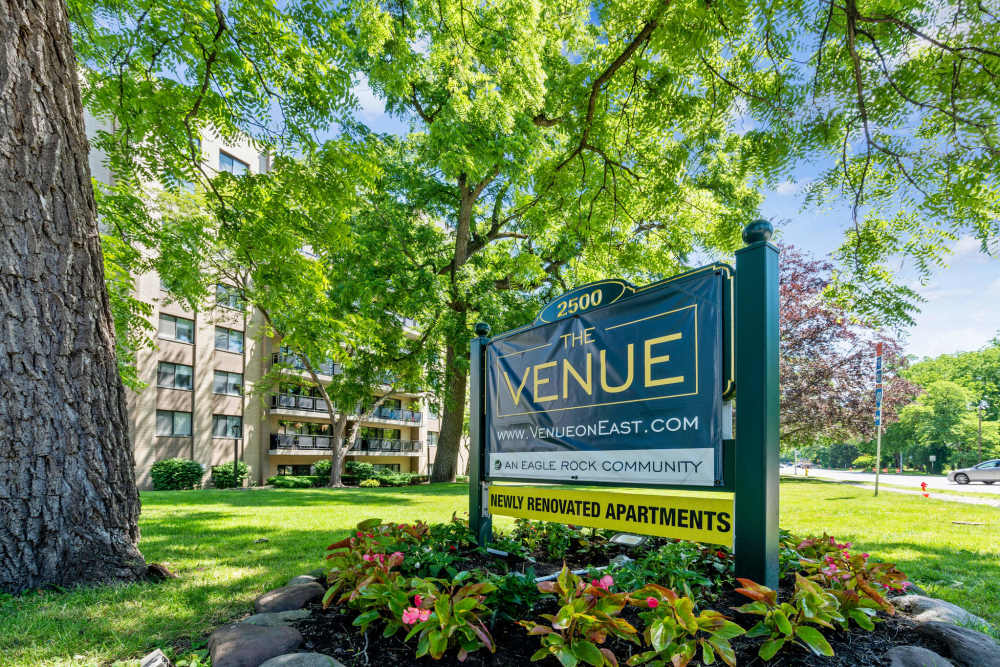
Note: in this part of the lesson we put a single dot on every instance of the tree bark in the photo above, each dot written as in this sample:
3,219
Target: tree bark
68,500
453,418
452,421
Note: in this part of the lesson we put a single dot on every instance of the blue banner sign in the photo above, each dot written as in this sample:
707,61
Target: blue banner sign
614,383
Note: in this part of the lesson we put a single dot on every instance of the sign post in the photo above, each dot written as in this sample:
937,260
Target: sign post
878,413
756,543
479,520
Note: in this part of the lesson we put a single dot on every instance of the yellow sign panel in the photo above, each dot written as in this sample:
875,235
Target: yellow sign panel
699,519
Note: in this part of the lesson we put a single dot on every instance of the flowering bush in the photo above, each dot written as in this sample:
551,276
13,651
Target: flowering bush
448,617
587,614
674,633
834,567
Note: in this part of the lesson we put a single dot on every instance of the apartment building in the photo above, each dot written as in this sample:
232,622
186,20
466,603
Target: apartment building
199,402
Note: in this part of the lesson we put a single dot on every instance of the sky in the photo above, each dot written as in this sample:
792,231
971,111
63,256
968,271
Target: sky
962,308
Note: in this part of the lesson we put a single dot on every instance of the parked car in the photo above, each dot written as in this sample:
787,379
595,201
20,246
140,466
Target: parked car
986,472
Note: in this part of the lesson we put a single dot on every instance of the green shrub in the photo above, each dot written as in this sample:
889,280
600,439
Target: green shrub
464,479
322,467
222,475
174,474
361,471
864,461
395,478
369,483
297,481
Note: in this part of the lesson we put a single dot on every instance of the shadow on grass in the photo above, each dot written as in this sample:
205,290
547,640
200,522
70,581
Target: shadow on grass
301,497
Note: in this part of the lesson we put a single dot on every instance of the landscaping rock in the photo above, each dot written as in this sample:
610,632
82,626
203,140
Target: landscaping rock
288,597
275,619
303,579
968,647
319,573
914,656
303,660
925,609
245,645
156,659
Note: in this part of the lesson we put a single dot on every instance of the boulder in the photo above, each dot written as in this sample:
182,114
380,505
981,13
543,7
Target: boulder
319,573
245,645
303,660
303,579
914,656
276,618
968,647
288,597
924,609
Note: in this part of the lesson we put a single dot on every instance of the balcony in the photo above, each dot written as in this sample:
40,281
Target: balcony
370,446
397,414
296,402
316,404
328,367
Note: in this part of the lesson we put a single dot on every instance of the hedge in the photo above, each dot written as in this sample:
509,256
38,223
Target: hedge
176,474
222,475
297,481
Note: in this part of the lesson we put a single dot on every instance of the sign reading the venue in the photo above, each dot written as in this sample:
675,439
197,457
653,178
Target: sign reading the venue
614,384
708,520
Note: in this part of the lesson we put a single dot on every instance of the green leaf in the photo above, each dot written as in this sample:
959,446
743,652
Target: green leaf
566,657
862,619
366,618
588,652
781,622
814,639
540,654
769,648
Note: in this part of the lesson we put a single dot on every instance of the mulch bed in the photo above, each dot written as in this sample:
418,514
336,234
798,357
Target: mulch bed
330,632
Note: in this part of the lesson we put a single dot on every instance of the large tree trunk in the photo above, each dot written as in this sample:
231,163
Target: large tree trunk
452,421
67,481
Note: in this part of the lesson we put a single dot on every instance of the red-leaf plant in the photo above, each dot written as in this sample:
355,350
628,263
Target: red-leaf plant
834,567
674,633
789,622
446,615
587,615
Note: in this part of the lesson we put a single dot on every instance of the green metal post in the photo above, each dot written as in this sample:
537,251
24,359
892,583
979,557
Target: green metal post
756,482
479,519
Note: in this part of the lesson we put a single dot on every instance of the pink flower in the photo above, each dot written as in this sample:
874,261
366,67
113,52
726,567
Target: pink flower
397,554
424,614
865,556
369,535
906,584
830,571
652,603
411,616
604,584
417,600
368,558
359,533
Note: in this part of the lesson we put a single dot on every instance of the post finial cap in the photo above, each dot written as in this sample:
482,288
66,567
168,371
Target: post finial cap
482,329
758,230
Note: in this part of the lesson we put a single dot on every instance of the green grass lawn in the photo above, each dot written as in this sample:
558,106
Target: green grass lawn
208,539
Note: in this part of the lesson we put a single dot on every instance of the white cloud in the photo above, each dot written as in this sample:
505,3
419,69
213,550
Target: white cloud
787,188
967,247
372,106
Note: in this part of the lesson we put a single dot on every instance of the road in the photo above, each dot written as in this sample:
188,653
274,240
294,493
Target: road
909,481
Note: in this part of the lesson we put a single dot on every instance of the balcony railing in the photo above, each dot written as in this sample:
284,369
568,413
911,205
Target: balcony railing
386,445
328,367
398,414
292,441
316,404
381,445
296,402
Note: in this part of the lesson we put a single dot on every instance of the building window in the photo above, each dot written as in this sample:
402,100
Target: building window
174,376
295,470
228,383
432,438
227,426
176,328
228,340
228,296
233,165
303,428
393,403
386,467
173,423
